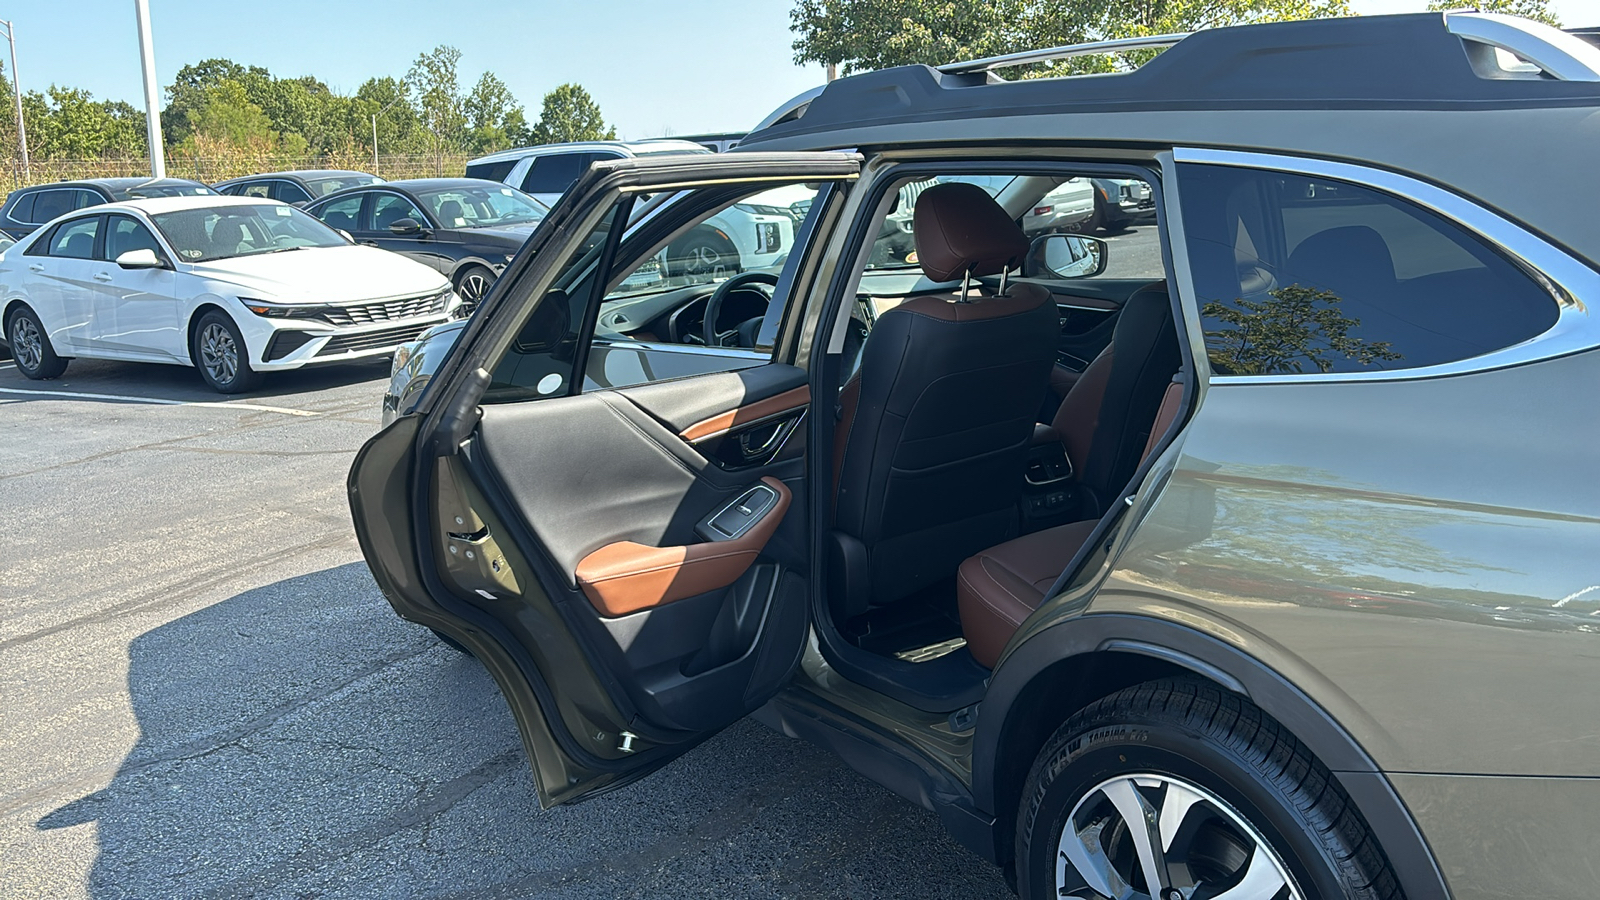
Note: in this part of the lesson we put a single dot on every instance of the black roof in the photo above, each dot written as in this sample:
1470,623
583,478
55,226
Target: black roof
1403,61
118,184
304,174
425,184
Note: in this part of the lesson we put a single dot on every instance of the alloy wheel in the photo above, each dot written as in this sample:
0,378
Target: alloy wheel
219,353
473,289
27,344
1156,837
702,259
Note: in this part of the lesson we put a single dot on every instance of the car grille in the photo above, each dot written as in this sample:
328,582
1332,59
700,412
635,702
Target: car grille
405,308
372,340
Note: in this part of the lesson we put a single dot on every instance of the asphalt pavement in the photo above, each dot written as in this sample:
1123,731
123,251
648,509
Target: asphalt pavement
202,693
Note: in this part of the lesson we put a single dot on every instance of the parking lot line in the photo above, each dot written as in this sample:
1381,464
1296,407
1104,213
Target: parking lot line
123,398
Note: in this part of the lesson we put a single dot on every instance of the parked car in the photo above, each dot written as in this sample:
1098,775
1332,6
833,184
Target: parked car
297,187
1120,202
461,227
1067,207
208,282
28,208
716,142
1288,599
750,236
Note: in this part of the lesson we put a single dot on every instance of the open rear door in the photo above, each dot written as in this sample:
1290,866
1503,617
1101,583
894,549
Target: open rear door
614,524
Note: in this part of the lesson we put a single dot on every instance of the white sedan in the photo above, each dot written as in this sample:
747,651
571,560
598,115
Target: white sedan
233,286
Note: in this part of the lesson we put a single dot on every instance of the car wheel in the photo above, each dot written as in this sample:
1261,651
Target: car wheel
700,257
31,348
219,353
1176,789
472,285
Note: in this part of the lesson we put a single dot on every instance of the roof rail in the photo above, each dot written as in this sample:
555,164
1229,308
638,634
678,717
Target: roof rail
1051,54
1563,56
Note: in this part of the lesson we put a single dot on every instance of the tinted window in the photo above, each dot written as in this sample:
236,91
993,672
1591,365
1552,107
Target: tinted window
75,239
289,192
256,189
388,209
22,211
479,207
495,171
89,198
1296,274
344,212
322,187
49,204
555,173
124,233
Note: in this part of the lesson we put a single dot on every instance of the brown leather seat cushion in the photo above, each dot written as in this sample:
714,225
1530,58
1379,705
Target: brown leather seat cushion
1001,586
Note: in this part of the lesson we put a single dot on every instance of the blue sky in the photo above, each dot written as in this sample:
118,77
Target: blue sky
671,65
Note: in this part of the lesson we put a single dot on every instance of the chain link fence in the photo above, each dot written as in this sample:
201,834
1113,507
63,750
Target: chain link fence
212,169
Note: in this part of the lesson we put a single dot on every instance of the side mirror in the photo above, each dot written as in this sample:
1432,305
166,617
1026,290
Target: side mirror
1066,256
406,226
140,259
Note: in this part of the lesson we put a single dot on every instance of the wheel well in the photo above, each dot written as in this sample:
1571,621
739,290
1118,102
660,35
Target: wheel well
1049,699
5,312
194,323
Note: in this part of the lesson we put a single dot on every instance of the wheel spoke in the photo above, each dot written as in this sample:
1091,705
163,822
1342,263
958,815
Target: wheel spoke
1143,827
1084,852
1175,806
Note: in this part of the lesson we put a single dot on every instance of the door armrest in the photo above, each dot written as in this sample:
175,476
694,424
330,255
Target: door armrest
626,577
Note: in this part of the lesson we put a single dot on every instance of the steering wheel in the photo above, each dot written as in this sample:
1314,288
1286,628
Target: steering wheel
708,329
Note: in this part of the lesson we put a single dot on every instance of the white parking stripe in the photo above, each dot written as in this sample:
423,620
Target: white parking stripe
122,398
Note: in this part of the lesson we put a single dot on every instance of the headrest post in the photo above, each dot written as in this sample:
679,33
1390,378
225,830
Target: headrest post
1003,273
966,282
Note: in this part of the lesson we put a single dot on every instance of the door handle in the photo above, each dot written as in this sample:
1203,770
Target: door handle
102,277
36,267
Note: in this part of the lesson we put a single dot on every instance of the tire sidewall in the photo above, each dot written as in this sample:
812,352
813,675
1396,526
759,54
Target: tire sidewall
1075,763
678,254
244,376
48,359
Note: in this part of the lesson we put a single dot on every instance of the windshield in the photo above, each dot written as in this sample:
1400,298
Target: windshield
322,187
482,207
162,189
223,232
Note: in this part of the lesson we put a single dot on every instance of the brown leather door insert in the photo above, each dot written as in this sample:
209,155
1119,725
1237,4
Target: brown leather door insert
752,412
626,577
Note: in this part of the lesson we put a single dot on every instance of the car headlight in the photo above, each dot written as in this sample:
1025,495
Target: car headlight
280,311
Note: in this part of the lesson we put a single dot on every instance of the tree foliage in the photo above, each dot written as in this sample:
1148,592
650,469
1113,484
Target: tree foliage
862,35
1538,10
570,114
219,107
1297,327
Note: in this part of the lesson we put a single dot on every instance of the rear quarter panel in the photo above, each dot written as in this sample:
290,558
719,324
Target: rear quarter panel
1420,557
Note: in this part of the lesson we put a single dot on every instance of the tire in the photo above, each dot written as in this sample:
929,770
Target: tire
1234,796
699,256
472,285
30,346
219,352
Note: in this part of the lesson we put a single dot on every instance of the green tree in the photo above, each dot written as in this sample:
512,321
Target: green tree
223,117
570,114
1297,327
495,119
1538,10
861,35
436,91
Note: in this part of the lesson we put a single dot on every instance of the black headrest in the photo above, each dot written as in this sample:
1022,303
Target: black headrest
959,228
227,231
1351,259
450,211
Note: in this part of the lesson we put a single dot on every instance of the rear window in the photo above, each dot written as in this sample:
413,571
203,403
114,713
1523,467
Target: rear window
22,210
492,171
555,173
1296,274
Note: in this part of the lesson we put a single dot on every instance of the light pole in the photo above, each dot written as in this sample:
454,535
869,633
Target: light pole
16,88
152,99
375,116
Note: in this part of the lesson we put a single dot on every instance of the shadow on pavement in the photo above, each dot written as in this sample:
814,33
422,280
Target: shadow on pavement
171,382
300,740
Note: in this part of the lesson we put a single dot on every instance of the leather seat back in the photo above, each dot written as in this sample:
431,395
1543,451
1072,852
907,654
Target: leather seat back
1105,420
932,468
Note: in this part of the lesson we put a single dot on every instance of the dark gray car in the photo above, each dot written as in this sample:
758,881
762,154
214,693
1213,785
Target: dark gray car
1247,555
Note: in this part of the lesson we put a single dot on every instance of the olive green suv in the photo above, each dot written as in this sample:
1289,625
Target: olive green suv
1245,553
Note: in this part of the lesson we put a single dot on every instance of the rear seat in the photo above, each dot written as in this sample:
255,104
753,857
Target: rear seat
1000,587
